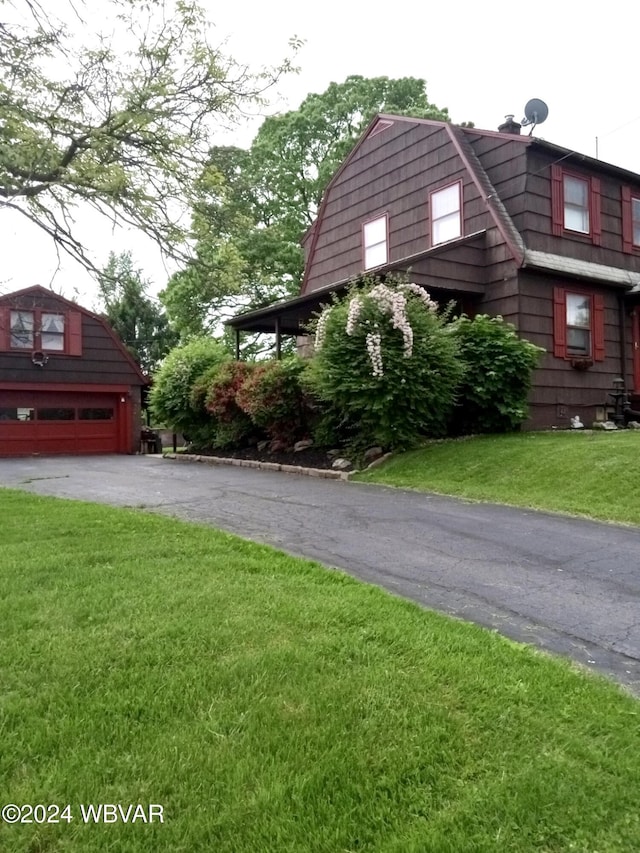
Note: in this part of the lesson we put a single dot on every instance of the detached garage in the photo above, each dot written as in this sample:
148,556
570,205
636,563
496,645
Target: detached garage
67,383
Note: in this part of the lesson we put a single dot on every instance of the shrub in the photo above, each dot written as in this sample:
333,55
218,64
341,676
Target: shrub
385,368
273,398
231,423
171,395
492,396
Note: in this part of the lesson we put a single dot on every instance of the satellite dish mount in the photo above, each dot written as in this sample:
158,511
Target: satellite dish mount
535,112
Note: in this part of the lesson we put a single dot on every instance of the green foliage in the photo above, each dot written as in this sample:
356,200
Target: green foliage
171,395
273,398
138,320
492,396
120,119
231,423
414,395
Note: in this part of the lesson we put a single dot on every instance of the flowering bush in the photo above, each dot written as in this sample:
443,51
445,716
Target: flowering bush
492,396
273,398
385,368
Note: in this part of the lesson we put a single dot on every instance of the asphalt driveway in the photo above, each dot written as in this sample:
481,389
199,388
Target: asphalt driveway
568,585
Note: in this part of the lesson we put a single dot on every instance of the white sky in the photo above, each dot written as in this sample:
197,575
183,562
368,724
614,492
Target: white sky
481,61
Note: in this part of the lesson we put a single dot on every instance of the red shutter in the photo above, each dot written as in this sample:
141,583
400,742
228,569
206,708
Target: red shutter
598,327
75,333
596,224
627,221
5,338
557,200
559,323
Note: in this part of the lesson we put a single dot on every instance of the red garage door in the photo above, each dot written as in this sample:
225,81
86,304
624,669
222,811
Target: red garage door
47,422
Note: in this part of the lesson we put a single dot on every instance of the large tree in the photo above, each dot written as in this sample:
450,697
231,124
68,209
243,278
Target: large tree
254,205
137,318
119,119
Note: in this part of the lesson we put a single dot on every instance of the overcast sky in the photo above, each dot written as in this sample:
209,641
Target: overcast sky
481,60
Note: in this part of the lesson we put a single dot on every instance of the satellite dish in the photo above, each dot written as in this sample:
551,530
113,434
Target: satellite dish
535,112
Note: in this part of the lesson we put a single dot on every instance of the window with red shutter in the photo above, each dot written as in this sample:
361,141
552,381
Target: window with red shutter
23,330
578,325
575,204
630,220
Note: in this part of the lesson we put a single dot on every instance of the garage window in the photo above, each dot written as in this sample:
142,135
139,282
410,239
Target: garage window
56,414
39,329
95,414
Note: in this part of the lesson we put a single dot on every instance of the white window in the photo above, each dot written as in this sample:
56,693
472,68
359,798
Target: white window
52,331
22,330
375,242
576,204
635,220
578,325
446,221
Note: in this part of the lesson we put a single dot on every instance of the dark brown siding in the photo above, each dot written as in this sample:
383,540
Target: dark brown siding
560,391
505,162
101,362
537,223
392,173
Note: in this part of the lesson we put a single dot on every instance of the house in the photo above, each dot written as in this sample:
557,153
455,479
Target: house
502,223
67,383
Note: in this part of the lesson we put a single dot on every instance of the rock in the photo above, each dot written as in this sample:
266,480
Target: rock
372,453
606,425
278,446
341,464
576,423
262,445
333,453
302,445
633,425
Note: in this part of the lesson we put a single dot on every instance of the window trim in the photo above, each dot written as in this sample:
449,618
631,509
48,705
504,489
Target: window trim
432,220
72,331
365,247
627,197
597,338
559,228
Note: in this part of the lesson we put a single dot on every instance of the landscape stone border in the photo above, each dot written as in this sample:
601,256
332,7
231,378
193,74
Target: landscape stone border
322,473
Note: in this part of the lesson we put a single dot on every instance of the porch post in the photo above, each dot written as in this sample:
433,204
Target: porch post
278,340
237,331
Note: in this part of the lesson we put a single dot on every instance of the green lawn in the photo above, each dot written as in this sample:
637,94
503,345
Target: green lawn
271,705
594,474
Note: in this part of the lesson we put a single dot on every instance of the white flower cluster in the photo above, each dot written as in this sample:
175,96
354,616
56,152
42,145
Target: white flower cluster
374,349
355,307
394,303
422,295
321,329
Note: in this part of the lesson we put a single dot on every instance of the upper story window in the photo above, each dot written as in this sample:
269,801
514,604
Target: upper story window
575,204
446,213
37,329
630,219
374,234
578,324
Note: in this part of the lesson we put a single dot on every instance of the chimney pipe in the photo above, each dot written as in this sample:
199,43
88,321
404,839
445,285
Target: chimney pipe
510,126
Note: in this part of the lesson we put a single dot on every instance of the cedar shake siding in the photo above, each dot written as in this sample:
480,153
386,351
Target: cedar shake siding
539,226
393,174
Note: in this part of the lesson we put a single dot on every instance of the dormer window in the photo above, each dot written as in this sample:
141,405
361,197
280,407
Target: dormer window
575,204
374,238
446,210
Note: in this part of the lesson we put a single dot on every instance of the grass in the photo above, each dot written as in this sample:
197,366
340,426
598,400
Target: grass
592,474
269,704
